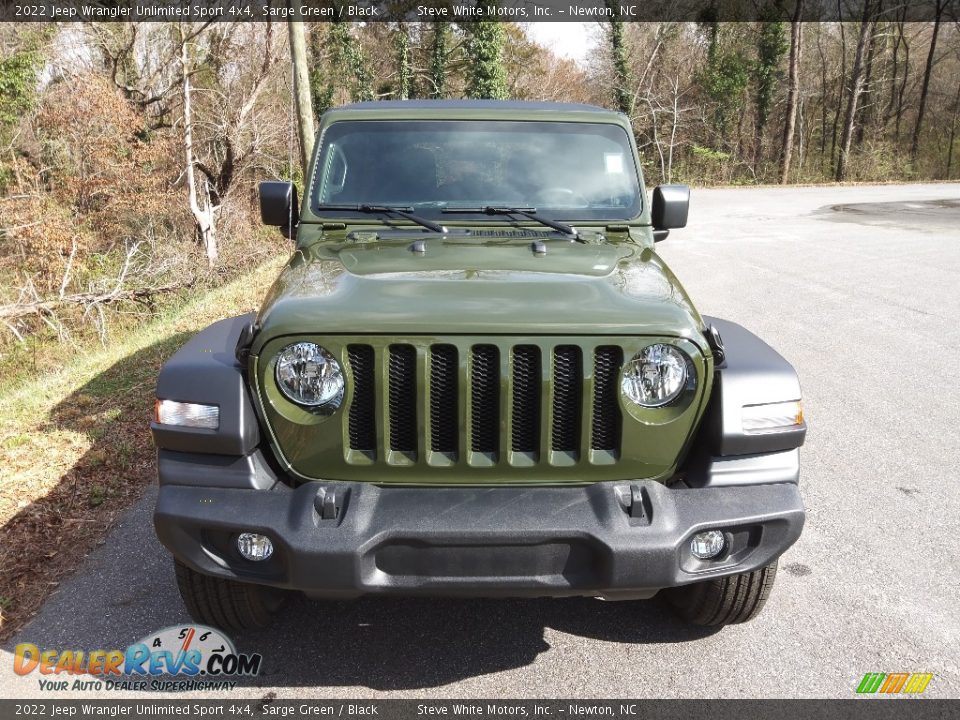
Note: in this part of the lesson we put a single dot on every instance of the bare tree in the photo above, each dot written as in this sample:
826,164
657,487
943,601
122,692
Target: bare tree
915,145
841,78
856,89
204,211
953,133
301,88
895,107
867,101
796,40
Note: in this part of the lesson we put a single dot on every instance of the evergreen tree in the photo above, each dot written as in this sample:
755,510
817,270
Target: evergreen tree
19,72
486,77
724,79
771,45
621,67
348,60
321,90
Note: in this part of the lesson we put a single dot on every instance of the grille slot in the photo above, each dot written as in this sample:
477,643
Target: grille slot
606,408
525,410
411,402
484,399
444,415
403,398
362,428
567,386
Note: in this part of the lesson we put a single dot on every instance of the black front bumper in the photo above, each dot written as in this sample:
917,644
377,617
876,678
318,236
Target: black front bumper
611,539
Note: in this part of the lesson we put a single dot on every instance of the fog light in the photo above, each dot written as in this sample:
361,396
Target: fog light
254,546
707,544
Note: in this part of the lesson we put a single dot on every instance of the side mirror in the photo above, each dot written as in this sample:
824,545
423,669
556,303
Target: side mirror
671,204
279,205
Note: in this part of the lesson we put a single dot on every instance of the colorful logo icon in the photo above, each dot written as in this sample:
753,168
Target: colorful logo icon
894,683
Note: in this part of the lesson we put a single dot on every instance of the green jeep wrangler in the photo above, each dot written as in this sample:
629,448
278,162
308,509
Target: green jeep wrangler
476,377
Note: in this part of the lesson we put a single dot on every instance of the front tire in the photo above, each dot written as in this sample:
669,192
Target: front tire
726,600
226,604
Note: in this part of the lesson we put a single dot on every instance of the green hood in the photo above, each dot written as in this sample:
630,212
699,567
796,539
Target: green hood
466,286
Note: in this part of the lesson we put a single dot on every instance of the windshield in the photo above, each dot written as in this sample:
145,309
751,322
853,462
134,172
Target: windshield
565,170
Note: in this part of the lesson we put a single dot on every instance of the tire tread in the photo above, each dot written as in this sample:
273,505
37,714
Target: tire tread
224,604
727,600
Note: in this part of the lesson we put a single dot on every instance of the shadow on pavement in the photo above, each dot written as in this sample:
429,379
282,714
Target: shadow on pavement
398,643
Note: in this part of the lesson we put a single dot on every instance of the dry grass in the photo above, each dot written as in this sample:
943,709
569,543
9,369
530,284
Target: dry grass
75,446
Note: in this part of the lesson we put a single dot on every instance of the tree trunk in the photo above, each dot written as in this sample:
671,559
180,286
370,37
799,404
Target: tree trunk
486,76
621,66
953,132
839,110
673,128
656,138
438,61
856,88
803,132
205,216
896,31
321,89
796,39
915,145
301,88
770,48
903,85
866,98
404,69
823,96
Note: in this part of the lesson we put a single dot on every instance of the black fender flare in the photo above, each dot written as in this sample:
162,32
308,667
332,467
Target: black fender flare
206,370
753,373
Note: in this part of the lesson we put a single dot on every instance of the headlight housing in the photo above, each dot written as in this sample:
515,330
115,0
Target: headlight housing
657,375
310,375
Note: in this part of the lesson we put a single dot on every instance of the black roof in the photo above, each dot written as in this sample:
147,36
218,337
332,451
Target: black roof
473,104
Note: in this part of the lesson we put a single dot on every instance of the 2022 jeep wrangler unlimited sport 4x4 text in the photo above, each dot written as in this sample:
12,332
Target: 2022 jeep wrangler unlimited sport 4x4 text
476,377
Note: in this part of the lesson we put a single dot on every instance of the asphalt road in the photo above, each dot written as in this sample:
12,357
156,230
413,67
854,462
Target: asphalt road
859,287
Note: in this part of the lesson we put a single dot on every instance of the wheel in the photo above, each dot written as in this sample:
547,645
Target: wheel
726,600
226,604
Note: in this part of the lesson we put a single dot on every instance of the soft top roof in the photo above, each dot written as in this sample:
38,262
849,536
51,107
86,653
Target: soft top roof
487,110
521,105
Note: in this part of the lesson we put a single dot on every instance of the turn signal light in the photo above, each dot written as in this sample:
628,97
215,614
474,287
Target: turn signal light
772,416
171,412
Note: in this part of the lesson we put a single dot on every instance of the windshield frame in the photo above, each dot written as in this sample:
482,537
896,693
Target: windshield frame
320,213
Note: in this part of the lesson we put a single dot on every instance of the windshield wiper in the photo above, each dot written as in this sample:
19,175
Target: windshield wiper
527,212
404,212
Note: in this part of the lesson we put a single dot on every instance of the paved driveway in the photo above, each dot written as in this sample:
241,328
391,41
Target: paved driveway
858,287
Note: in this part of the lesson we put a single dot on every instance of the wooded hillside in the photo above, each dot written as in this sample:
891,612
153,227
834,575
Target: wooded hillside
129,153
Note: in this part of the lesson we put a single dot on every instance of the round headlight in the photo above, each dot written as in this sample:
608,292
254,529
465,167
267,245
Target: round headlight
309,375
656,375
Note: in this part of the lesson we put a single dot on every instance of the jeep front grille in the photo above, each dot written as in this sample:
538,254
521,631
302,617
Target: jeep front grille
484,404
